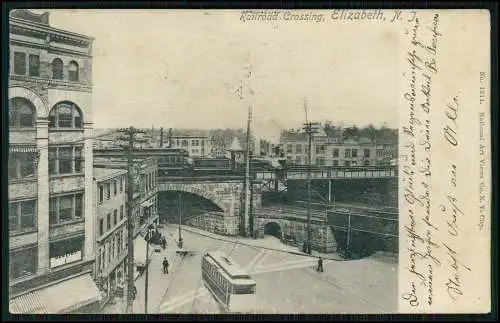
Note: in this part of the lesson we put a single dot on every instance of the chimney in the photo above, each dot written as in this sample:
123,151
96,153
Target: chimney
161,137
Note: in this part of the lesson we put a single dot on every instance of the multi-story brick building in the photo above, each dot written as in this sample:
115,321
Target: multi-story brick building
51,227
145,174
327,151
111,228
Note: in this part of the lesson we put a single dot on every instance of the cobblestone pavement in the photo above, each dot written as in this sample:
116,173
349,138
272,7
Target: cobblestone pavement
286,283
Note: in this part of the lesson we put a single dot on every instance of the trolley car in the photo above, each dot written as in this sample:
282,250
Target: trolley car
230,285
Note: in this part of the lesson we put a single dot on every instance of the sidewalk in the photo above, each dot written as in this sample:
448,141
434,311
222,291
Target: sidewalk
261,243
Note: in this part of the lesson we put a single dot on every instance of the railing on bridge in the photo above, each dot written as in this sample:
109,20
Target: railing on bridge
289,173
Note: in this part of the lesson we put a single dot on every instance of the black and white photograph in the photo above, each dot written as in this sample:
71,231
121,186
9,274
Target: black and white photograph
242,161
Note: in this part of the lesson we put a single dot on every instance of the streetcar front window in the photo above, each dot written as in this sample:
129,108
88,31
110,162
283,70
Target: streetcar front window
244,289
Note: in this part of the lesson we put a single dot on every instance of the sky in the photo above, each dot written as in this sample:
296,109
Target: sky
181,69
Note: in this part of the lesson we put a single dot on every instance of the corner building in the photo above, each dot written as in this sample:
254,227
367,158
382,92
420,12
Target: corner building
51,225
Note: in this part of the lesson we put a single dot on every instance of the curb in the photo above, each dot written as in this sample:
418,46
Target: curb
298,253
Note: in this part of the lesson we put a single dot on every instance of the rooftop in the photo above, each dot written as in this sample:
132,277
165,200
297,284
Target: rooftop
106,173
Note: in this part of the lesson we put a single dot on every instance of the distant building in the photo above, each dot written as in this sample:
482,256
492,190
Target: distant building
327,151
111,228
51,224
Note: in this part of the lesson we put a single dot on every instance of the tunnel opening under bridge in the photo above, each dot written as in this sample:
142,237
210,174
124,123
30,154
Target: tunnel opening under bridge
171,203
272,229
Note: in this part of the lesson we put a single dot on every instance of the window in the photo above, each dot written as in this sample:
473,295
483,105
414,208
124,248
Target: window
101,193
66,251
78,160
366,153
21,113
23,263
121,184
22,215
347,153
320,149
19,63
65,208
320,161
22,165
108,191
366,163
113,246
380,153
57,69
34,65
115,189
65,160
335,162
335,152
289,148
108,222
347,163
101,227
298,149
115,217
65,115
121,212
354,153
298,160
73,71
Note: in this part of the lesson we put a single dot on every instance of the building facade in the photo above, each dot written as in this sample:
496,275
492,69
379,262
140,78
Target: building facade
327,151
110,229
196,146
51,227
145,186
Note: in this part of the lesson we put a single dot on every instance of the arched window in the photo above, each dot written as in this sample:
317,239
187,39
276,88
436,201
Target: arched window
57,69
21,113
73,71
65,115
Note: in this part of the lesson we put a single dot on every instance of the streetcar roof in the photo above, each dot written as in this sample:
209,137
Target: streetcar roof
226,263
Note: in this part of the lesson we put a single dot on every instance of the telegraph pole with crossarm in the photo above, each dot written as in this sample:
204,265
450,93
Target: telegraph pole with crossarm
310,128
129,136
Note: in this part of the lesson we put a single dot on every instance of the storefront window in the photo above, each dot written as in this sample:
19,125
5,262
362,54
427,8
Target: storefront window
22,263
66,251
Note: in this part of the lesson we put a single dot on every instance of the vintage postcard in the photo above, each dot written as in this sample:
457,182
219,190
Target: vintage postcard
249,161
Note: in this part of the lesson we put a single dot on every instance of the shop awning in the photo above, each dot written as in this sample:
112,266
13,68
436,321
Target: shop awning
140,251
60,298
22,149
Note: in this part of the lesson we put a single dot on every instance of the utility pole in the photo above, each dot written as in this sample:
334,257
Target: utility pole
180,219
130,137
146,282
310,128
247,184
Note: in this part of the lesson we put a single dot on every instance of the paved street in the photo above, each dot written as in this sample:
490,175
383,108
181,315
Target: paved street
286,283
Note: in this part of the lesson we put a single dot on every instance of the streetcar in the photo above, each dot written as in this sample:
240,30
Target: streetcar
231,286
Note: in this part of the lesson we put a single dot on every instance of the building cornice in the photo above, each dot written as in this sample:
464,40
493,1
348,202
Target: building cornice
53,83
48,30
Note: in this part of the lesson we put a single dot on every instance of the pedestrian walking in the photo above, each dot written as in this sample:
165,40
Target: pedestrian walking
134,292
163,242
320,265
165,265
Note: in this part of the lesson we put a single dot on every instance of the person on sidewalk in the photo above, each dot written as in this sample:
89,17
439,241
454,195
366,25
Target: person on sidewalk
165,265
320,265
163,242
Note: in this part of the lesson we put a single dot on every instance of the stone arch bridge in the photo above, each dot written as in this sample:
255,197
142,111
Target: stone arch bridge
227,195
